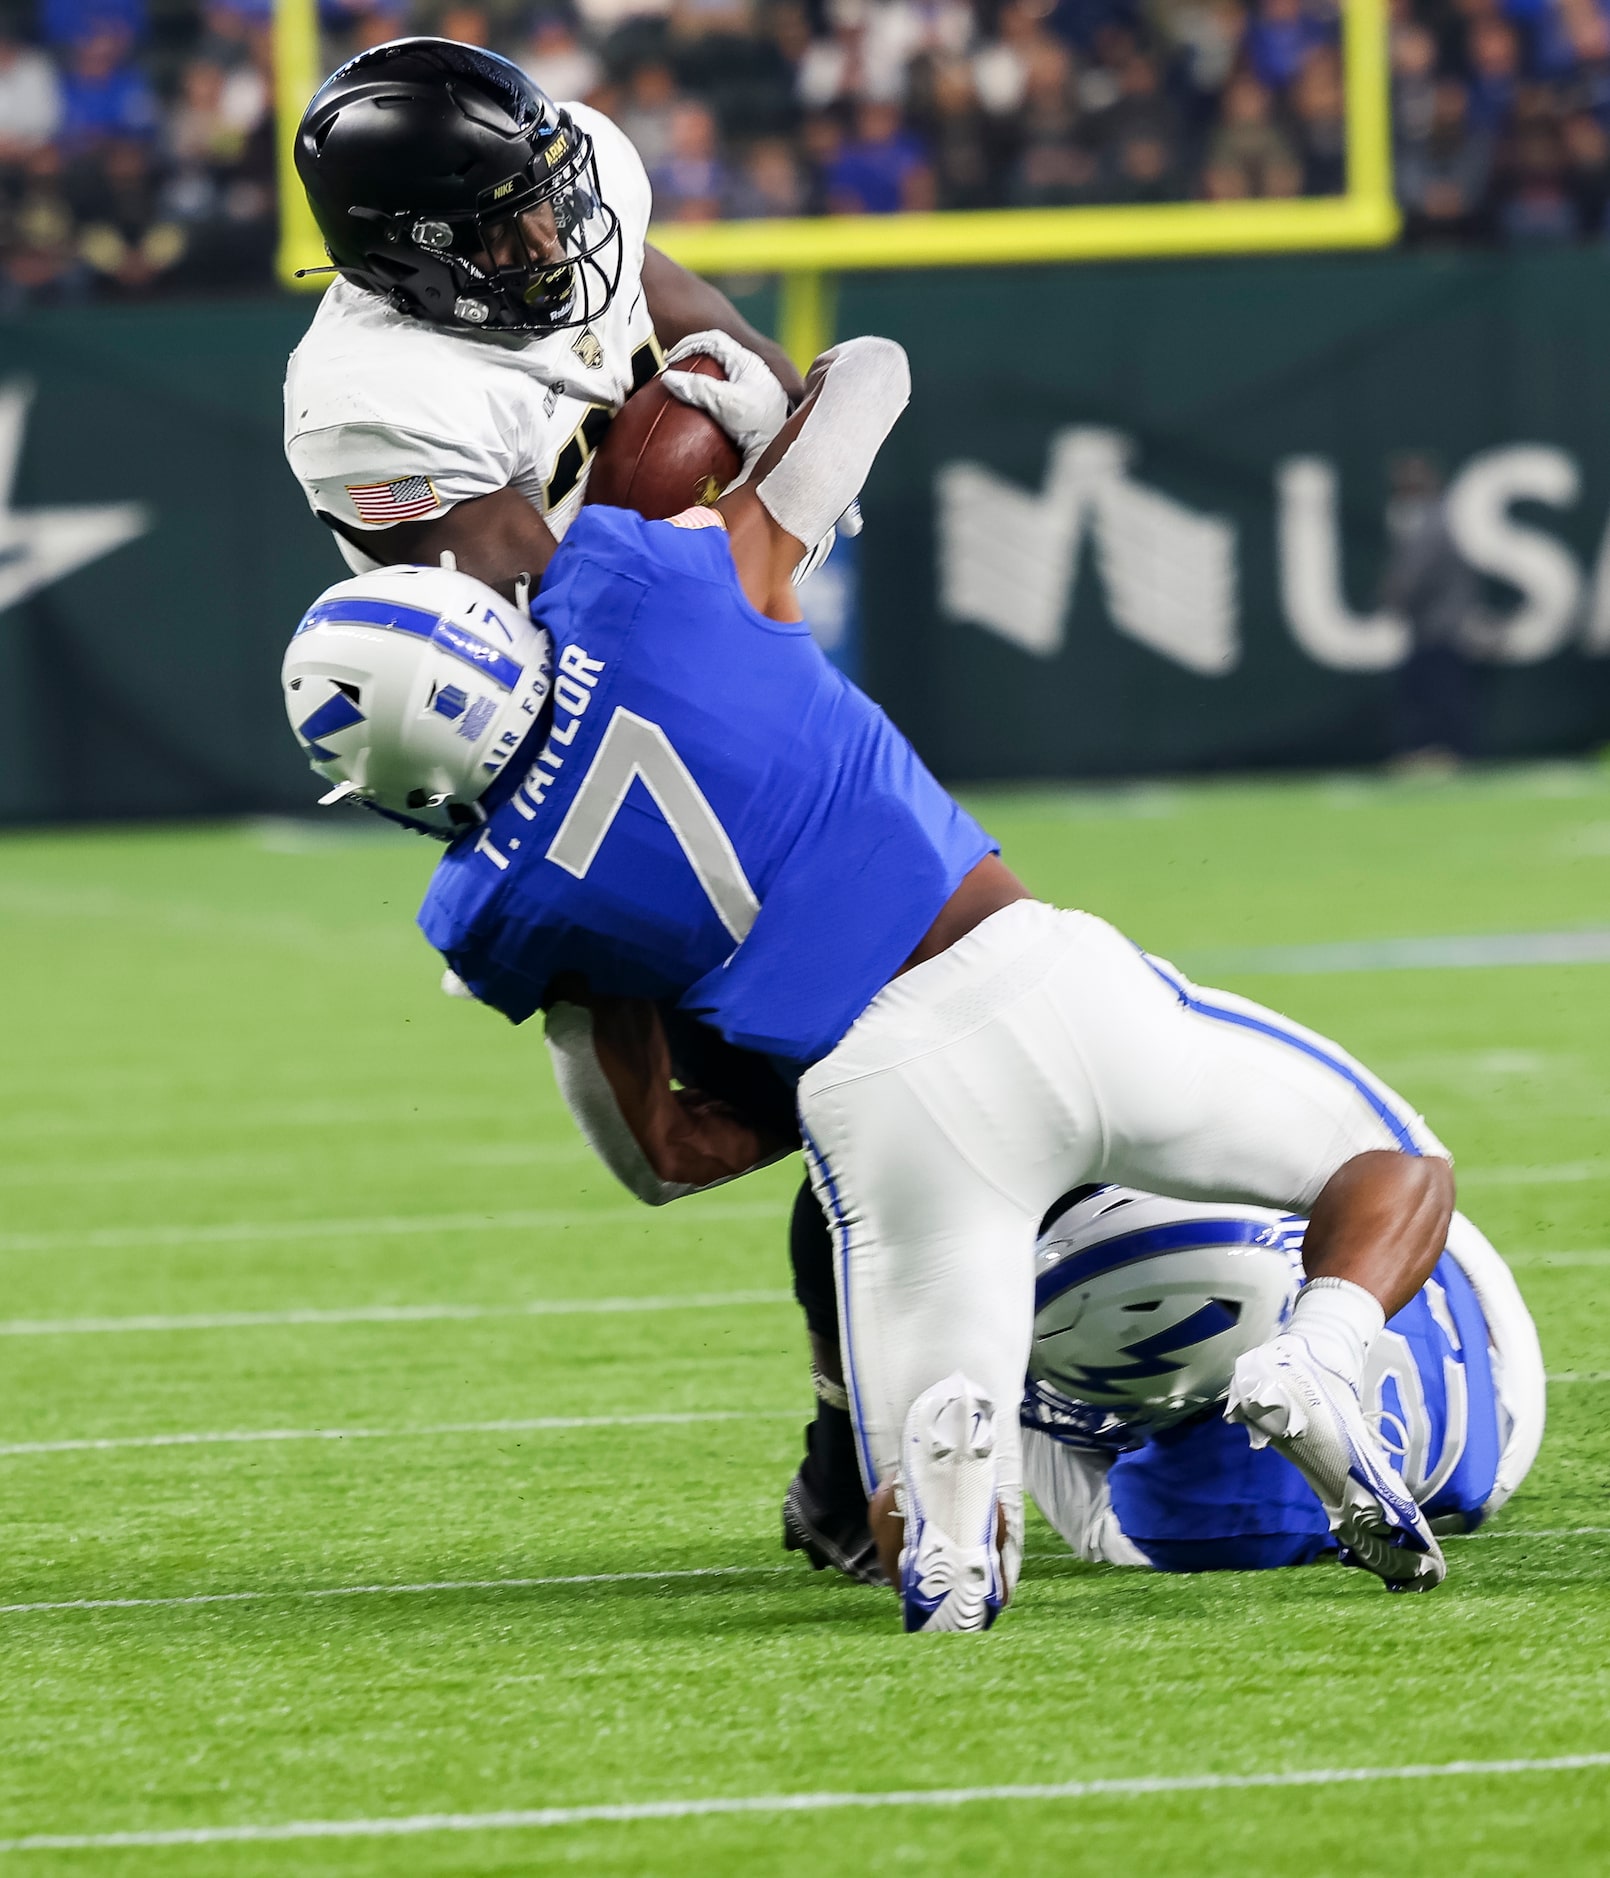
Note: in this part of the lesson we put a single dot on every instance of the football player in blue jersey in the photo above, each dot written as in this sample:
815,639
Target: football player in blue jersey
1144,1305
656,788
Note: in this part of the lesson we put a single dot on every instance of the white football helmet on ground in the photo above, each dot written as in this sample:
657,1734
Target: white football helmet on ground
1143,1305
410,688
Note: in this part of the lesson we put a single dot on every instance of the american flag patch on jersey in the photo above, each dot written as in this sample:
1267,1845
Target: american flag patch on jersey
405,500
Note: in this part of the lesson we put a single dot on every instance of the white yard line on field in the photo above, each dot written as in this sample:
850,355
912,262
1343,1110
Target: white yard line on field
82,1171
398,1591
383,1314
1593,1256
615,1813
1562,1173
1536,1532
301,1595
1589,947
448,1312
537,1424
378,1226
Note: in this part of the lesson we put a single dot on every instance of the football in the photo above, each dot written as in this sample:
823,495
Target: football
661,456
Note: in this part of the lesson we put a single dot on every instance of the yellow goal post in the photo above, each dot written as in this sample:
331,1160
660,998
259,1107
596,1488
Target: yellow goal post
807,252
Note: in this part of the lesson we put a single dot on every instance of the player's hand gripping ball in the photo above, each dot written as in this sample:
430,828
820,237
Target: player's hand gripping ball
661,456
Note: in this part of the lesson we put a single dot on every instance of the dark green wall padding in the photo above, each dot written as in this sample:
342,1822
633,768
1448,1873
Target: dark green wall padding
146,683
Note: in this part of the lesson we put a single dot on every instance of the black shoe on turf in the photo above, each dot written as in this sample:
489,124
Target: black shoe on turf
842,1543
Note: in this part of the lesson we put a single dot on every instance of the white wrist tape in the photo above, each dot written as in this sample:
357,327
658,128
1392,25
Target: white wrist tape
597,1114
866,386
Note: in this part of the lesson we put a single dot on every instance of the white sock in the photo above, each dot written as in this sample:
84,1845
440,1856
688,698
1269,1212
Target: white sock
1339,1321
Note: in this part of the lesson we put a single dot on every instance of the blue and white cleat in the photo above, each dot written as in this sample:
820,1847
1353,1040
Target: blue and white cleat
1286,1398
950,1565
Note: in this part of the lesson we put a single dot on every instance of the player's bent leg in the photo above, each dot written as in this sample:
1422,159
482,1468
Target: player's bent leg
825,1507
936,1310
938,1132
1207,1095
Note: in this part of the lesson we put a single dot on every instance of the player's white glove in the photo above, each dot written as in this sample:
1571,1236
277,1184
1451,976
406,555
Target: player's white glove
748,404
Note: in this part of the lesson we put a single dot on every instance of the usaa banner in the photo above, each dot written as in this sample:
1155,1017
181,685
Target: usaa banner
1135,519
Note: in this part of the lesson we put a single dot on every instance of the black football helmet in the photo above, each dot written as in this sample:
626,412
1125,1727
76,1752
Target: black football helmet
442,179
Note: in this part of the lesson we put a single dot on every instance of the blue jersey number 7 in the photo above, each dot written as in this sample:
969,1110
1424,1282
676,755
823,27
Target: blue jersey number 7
633,749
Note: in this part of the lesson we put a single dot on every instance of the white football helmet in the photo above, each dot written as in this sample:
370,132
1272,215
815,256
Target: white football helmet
411,687
1142,1306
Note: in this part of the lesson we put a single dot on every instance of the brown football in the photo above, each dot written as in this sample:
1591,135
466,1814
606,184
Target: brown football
661,456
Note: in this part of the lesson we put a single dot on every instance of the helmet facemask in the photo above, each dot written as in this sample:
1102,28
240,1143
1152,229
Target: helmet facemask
540,252
445,181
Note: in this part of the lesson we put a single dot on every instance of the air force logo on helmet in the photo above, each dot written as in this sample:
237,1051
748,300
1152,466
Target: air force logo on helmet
1142,1306
410,689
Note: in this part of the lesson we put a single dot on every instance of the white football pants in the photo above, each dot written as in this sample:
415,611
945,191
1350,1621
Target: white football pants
1039,1052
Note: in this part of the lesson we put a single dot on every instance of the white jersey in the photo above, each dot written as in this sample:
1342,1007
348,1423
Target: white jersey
389,418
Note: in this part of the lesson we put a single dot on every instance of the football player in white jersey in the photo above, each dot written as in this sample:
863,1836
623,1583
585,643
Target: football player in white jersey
497,304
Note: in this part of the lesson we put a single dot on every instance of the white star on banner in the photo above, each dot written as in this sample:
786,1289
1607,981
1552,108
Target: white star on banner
38,546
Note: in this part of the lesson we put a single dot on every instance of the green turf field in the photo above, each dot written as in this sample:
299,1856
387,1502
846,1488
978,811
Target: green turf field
260,1179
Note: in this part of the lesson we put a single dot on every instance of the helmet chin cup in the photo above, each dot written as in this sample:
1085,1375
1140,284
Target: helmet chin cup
472,312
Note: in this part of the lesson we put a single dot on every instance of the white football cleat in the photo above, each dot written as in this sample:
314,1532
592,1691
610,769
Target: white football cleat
1286,1398
950,1564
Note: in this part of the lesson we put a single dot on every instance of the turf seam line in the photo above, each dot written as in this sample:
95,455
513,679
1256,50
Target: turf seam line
377,1226
576,1578
1135,1787
535,1424
385,1314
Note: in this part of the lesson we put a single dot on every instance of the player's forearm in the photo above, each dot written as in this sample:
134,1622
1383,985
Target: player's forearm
702,1142
1380,1222
689,1139
815,466
680,303
613,1067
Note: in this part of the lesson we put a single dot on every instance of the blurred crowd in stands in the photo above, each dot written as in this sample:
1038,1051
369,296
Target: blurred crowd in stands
137,152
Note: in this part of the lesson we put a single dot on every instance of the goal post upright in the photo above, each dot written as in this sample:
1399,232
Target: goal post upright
296,77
